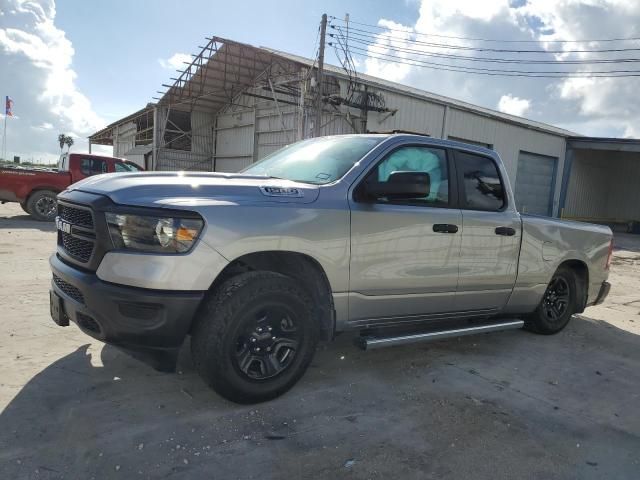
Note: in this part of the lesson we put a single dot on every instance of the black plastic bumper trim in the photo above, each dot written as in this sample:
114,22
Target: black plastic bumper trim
163,321
603,293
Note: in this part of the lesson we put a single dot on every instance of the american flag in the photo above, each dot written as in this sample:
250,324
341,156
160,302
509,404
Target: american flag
8,107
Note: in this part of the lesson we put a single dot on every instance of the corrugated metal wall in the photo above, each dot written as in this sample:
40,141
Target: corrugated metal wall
413,115
124,138
604,186
623,201
233,140
275,129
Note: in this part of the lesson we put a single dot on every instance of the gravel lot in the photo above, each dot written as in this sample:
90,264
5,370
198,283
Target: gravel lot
502,405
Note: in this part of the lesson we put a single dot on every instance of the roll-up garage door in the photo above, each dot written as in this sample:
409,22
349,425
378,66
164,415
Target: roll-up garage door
535,181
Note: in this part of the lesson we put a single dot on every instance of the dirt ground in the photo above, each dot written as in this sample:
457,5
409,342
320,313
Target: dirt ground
495,406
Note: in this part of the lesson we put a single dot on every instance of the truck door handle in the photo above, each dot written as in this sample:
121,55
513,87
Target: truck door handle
445,228
506,231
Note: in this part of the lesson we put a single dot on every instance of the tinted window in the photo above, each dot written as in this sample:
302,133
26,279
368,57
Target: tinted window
92,166
417,159
482,188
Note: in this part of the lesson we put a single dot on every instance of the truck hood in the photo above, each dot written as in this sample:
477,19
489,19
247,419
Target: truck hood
188,189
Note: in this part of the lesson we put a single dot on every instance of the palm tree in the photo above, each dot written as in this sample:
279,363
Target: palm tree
68,141
62,140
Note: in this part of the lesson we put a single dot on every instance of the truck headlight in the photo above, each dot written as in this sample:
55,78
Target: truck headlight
153,234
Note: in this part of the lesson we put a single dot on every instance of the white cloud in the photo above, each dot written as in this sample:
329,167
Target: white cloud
38,75
175,61
594,106
396,37
43,126
514,105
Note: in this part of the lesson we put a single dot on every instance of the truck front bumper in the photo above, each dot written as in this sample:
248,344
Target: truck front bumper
149,324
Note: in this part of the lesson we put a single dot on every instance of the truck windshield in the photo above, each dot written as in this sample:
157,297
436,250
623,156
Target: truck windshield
319,160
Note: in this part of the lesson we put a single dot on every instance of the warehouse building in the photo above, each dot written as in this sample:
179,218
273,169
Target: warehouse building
236,103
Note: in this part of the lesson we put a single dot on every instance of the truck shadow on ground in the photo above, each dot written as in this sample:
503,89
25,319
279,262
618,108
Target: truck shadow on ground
25,221
75,420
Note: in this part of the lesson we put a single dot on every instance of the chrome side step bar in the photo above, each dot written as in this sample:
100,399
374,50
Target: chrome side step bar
370,342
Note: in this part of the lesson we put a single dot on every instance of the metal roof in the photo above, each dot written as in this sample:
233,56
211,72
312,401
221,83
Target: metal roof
225,68
605,143
105,135
217,75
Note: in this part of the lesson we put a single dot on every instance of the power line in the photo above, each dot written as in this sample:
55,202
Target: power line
496,72
378,36
593,40
452,56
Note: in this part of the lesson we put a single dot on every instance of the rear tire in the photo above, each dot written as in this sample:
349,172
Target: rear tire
255,336
42,205
558,304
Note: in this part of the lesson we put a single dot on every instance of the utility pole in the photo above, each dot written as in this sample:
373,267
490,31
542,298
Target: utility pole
323,34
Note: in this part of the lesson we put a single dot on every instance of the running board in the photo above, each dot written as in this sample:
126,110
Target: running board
371,342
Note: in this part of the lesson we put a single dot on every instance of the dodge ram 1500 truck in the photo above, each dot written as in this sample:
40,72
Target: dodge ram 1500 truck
402,238
36,189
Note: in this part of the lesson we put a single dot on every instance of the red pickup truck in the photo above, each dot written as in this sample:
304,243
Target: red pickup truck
36,189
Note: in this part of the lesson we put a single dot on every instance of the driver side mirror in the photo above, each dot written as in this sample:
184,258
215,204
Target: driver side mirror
400,186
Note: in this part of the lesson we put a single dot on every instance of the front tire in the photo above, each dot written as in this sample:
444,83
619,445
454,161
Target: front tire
558,304
255,336
43,205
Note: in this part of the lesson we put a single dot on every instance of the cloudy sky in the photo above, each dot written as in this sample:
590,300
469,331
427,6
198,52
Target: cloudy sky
74,67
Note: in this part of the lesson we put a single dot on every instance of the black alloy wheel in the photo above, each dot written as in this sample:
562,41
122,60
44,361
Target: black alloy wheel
46,206
556,299
558,304
269,345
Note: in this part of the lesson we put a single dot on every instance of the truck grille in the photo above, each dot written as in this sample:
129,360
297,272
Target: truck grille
77,240
79,249
75,216
69,289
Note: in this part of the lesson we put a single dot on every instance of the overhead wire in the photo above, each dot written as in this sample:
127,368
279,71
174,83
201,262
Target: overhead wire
412,31
369,47
495,72
452,56
446,46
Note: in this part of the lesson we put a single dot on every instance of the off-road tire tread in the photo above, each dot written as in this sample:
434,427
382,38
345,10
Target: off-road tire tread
215,317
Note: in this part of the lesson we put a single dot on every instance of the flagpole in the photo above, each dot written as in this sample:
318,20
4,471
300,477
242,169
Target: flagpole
4,139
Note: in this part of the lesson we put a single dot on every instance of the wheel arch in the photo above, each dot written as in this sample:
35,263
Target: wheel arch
581,271
302,267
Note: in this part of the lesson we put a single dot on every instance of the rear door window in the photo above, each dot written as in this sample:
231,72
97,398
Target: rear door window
482,187
93,166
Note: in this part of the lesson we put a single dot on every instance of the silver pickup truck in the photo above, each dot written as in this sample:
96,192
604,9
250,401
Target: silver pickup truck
401,238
